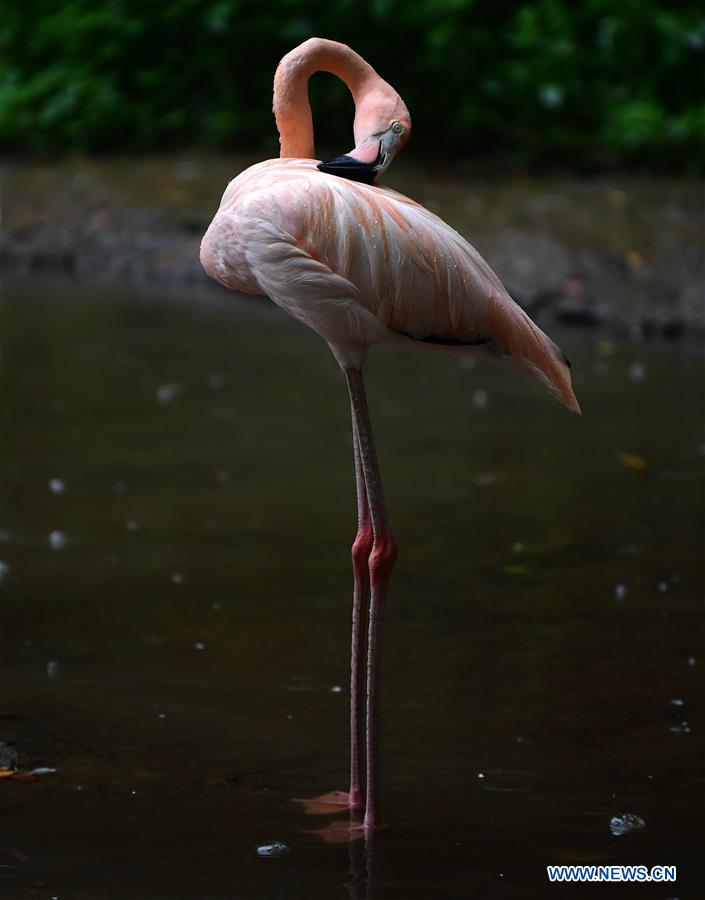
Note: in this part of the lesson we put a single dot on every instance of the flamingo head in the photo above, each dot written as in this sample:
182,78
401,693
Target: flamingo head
382,127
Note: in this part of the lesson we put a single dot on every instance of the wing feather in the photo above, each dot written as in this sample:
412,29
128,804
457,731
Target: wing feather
341,255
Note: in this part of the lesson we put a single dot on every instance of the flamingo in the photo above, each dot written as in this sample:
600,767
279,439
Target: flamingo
364,265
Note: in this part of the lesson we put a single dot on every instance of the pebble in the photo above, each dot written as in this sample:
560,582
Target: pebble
625,823
272,850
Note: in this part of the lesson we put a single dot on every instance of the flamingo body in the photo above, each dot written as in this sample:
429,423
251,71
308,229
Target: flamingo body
361,264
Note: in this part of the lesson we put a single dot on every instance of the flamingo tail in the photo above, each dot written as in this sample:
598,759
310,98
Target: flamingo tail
531,351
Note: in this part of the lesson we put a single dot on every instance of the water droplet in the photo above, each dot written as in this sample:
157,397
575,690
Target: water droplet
629,550
57,485
662,587
691,661
57,540
167,392
53,669
276,848
625,823
177,578
636,372
4,572
216,605
161,715
601,367
487,479
606,348
676,702
620,592
199,645
680,728
336,689
480,398
131,525
505,781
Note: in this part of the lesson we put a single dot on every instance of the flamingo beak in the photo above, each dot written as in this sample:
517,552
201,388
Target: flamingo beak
363,164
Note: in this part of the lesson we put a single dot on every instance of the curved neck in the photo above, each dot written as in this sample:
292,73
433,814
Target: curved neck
292,111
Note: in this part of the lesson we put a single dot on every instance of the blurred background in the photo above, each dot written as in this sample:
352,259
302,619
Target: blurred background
584,86
566,140
176,484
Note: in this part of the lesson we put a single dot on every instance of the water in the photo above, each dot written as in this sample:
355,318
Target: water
617,247
177,659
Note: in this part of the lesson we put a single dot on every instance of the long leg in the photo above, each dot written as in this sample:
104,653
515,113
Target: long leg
381,563
361,548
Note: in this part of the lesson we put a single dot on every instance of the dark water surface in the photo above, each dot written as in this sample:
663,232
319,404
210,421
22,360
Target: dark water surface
173,654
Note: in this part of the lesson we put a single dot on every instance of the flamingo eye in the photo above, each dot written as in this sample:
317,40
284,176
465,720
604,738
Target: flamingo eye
397,127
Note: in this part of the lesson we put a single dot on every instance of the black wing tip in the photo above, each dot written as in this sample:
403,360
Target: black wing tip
452,342
442,341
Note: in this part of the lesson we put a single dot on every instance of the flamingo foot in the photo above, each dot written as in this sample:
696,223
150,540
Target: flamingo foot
339,832
345,832
329,804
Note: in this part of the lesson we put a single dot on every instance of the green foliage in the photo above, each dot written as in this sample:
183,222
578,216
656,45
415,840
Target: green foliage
550,81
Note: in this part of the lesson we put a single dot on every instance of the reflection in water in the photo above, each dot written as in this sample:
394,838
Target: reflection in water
183,713
361,885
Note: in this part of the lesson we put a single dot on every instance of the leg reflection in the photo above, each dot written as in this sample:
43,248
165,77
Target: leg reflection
361,853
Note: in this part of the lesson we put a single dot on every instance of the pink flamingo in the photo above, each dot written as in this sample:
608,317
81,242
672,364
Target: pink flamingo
362,265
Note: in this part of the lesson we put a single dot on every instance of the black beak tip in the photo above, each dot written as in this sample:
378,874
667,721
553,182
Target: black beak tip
348,167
